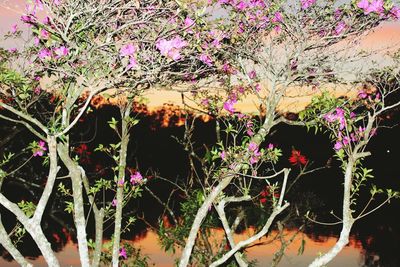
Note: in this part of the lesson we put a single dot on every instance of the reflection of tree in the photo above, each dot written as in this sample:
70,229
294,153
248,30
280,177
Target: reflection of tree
158,151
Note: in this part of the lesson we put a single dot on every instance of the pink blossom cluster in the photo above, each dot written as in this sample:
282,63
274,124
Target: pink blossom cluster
136,178
223,155
228,105
337,116
206,59
39,149
189,24
256,13
344,136
58,52
255,154
122,253
363,94
171,48
345,140
249,128
376,6
129,50
305,4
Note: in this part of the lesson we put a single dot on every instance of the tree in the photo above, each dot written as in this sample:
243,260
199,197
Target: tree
307,44
82,48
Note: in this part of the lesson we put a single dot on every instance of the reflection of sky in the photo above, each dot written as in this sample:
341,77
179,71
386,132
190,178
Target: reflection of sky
350,256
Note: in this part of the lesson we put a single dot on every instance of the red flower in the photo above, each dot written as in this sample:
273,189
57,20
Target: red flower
265,195
84,154
297,158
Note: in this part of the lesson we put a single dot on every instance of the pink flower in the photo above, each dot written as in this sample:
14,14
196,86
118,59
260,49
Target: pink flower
252,74
37,90
228,106
329,117
363,4
205,102
270,146
395,12
188,24
346,141
253,160
249,132
277,17
136,178
14,28
39,149
36,41
114,202
216,43
340,27
249,127
61,51
121,182
44,34
26,18
223,155
44,54
46,20
132,63
338,145
241,6
337,14
206,59
375,6
12,50
38,4
307,3
252,147
171,48
122,253
57,2
127,50
362,94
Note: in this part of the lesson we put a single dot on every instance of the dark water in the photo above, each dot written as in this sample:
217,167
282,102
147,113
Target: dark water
375,240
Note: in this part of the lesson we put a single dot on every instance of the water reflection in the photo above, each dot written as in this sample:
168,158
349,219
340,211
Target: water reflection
375,240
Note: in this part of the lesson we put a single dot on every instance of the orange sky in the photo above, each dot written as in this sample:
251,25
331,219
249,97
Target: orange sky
384,36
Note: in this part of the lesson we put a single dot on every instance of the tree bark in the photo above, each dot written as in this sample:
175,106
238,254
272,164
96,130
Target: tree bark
228,231
98,220
120,189
79,211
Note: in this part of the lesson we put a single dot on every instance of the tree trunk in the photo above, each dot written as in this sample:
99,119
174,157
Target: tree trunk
79,211
347,220
98,220
120,188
